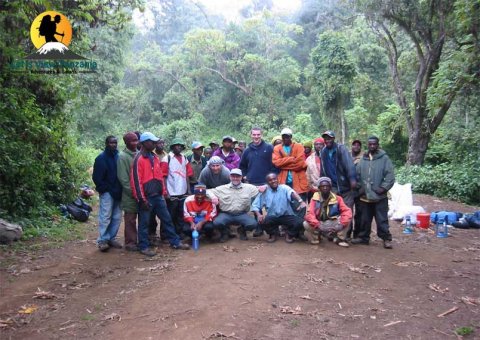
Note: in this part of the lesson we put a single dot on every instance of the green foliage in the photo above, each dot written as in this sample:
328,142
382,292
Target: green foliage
464,331
460,183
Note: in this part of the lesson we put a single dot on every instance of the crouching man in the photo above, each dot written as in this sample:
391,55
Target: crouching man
199,212
277,202
328,215
234,200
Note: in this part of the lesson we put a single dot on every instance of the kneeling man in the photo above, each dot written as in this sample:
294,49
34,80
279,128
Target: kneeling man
276,200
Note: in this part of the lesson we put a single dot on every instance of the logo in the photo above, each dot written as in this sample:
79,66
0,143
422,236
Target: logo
51,34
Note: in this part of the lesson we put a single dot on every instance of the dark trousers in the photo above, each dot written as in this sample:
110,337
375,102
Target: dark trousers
349,199
130,232
159,207
293,223
207,229
223,220
369,210
175,208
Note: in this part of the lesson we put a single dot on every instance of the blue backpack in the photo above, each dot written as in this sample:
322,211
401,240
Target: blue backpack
439,216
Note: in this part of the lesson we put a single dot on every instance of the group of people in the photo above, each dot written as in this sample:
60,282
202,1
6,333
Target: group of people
285,189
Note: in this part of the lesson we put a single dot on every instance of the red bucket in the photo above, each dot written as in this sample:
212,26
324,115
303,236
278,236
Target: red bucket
423,220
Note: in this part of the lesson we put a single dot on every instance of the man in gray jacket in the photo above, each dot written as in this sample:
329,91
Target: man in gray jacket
376,177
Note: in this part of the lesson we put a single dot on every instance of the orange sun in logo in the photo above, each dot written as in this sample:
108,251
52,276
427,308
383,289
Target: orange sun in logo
50,26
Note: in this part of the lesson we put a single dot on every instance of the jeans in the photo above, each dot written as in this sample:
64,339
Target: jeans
159,207
293,224
223,220
367,211
109,218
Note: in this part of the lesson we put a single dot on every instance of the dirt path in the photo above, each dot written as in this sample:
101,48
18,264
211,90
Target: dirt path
249,290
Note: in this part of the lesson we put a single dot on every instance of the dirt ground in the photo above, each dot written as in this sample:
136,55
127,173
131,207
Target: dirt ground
248,289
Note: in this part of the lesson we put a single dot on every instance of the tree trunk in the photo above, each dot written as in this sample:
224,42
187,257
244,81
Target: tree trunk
417,146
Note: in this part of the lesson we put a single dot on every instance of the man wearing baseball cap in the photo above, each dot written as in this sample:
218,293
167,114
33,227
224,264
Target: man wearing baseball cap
197,161
289,158
199,212
148,188
337,165
234,200
227,153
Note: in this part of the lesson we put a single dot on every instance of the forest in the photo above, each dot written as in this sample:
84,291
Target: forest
406,71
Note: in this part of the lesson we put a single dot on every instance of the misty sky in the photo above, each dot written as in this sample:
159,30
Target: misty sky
228,8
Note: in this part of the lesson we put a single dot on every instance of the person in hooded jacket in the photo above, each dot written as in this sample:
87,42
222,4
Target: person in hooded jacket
376,176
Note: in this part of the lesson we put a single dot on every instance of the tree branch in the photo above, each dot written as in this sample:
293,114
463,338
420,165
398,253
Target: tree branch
176,80
245,89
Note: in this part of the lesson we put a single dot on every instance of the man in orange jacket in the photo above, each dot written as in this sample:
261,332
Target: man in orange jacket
289,158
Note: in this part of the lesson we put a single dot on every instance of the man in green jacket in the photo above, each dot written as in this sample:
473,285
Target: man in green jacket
128,205
376,177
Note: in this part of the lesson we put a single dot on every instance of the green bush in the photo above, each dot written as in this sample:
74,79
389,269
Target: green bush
457,181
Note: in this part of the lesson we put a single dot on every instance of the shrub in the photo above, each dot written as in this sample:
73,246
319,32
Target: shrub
457,181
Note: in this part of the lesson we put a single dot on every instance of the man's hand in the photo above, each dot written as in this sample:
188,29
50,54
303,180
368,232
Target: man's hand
262,188
260,219
192,225
215,200
144,205
353,184
199,225
380,191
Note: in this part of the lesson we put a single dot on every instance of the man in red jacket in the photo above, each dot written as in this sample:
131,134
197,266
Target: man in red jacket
328,215
199,212
148,188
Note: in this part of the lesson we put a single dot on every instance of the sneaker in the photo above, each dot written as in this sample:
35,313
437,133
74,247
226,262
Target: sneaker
387,244
103,247
242,233
359,241
115,244
288,238
343,244
272,238
131,248
181,246
148,252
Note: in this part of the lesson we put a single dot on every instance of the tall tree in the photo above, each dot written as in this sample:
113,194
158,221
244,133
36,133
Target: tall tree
444,36
333,74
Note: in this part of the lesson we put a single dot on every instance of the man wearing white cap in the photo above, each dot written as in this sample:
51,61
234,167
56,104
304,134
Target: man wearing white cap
234,200
289,158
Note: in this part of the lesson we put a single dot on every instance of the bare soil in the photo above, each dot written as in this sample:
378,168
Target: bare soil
248,289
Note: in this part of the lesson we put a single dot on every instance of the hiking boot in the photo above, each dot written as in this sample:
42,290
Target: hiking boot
288,238
242,233
115,244
181,246
302,237
359,241
257,233
272,238
148,252
131,248
103,247
387,244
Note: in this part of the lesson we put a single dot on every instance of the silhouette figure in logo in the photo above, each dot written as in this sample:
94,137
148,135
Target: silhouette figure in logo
48,28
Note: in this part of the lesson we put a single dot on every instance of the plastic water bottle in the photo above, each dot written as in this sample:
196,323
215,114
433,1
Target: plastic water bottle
408,225
195,241
441,230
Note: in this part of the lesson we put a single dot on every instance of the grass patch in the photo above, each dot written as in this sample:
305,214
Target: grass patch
464,331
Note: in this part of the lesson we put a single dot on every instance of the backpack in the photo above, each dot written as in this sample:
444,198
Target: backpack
439,216
42,30
79,210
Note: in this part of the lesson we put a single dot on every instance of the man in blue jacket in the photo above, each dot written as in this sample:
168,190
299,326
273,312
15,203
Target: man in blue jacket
337,164
108,186
256,161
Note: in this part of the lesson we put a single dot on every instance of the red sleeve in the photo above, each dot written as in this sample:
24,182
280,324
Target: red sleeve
164,167
295,161
310,216
345,212
186,212
136,178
